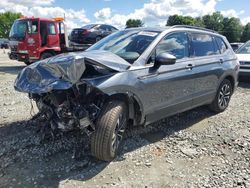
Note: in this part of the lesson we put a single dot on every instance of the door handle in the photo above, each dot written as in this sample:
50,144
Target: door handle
190,66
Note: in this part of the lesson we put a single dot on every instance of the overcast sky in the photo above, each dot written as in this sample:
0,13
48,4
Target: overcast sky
116,12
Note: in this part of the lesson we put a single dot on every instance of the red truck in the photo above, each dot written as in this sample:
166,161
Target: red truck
33,39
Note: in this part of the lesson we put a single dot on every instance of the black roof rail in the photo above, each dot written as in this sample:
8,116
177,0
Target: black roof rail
193,27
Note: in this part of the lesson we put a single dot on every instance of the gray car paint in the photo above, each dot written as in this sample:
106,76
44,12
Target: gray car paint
168,89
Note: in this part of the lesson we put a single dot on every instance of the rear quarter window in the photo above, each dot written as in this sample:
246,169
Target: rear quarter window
221,44
202,45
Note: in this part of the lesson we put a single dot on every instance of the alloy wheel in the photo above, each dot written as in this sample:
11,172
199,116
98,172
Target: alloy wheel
224,96
118,133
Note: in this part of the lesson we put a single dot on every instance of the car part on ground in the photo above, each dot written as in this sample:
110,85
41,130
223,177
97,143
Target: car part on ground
243,54
137,76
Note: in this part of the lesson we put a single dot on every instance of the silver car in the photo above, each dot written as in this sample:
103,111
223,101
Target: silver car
243,54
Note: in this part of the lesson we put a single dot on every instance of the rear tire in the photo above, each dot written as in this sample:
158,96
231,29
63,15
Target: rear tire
222,98
111,125
46,55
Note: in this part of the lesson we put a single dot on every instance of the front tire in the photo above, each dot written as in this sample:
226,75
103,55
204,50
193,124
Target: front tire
223,96
111,125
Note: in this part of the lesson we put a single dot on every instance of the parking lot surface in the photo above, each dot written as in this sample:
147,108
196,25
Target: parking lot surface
192,149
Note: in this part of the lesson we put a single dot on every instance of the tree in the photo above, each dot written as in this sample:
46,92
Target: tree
134,23
180,20
199,22
246,33
232,29
214,21
6,21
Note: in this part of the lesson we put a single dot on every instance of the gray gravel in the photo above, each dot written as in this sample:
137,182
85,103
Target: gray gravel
192,149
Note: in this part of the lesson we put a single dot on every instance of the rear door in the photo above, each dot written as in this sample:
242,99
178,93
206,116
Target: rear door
207,69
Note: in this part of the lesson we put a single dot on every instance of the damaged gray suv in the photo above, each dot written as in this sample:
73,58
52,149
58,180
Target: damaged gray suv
132,77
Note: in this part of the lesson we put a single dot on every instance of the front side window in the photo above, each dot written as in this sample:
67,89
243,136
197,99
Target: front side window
202,45
51,29
32,27
175,44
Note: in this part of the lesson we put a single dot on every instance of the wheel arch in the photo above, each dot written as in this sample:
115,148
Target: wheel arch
231,79
135,107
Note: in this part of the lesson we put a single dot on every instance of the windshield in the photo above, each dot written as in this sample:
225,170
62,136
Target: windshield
245,49
128,44
18,30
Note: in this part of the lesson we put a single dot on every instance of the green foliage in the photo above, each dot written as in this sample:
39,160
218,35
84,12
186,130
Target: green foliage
232,29
6,21
246,33
134,23
214,21
180,20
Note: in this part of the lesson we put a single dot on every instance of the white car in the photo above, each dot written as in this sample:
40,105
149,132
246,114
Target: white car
243,54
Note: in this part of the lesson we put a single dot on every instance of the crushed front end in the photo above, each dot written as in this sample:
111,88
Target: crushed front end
61,88
72,109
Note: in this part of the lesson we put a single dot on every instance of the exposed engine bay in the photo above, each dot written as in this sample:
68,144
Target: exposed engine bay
75,108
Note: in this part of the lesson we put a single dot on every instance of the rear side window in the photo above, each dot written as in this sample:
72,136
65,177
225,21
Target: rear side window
221,44
113,29
104,27
202,45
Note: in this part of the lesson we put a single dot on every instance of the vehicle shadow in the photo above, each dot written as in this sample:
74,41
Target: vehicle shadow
11,69
26,158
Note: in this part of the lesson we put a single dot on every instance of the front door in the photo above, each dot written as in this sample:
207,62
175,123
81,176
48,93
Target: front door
169,88
33,39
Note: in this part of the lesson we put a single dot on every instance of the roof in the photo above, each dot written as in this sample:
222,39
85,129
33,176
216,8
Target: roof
35,18
161,29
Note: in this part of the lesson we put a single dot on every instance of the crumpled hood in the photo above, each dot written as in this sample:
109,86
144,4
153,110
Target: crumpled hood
64,70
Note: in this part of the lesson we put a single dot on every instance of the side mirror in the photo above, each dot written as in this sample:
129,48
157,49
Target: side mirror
164,59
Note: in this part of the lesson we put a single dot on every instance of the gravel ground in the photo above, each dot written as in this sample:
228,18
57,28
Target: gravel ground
192,149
